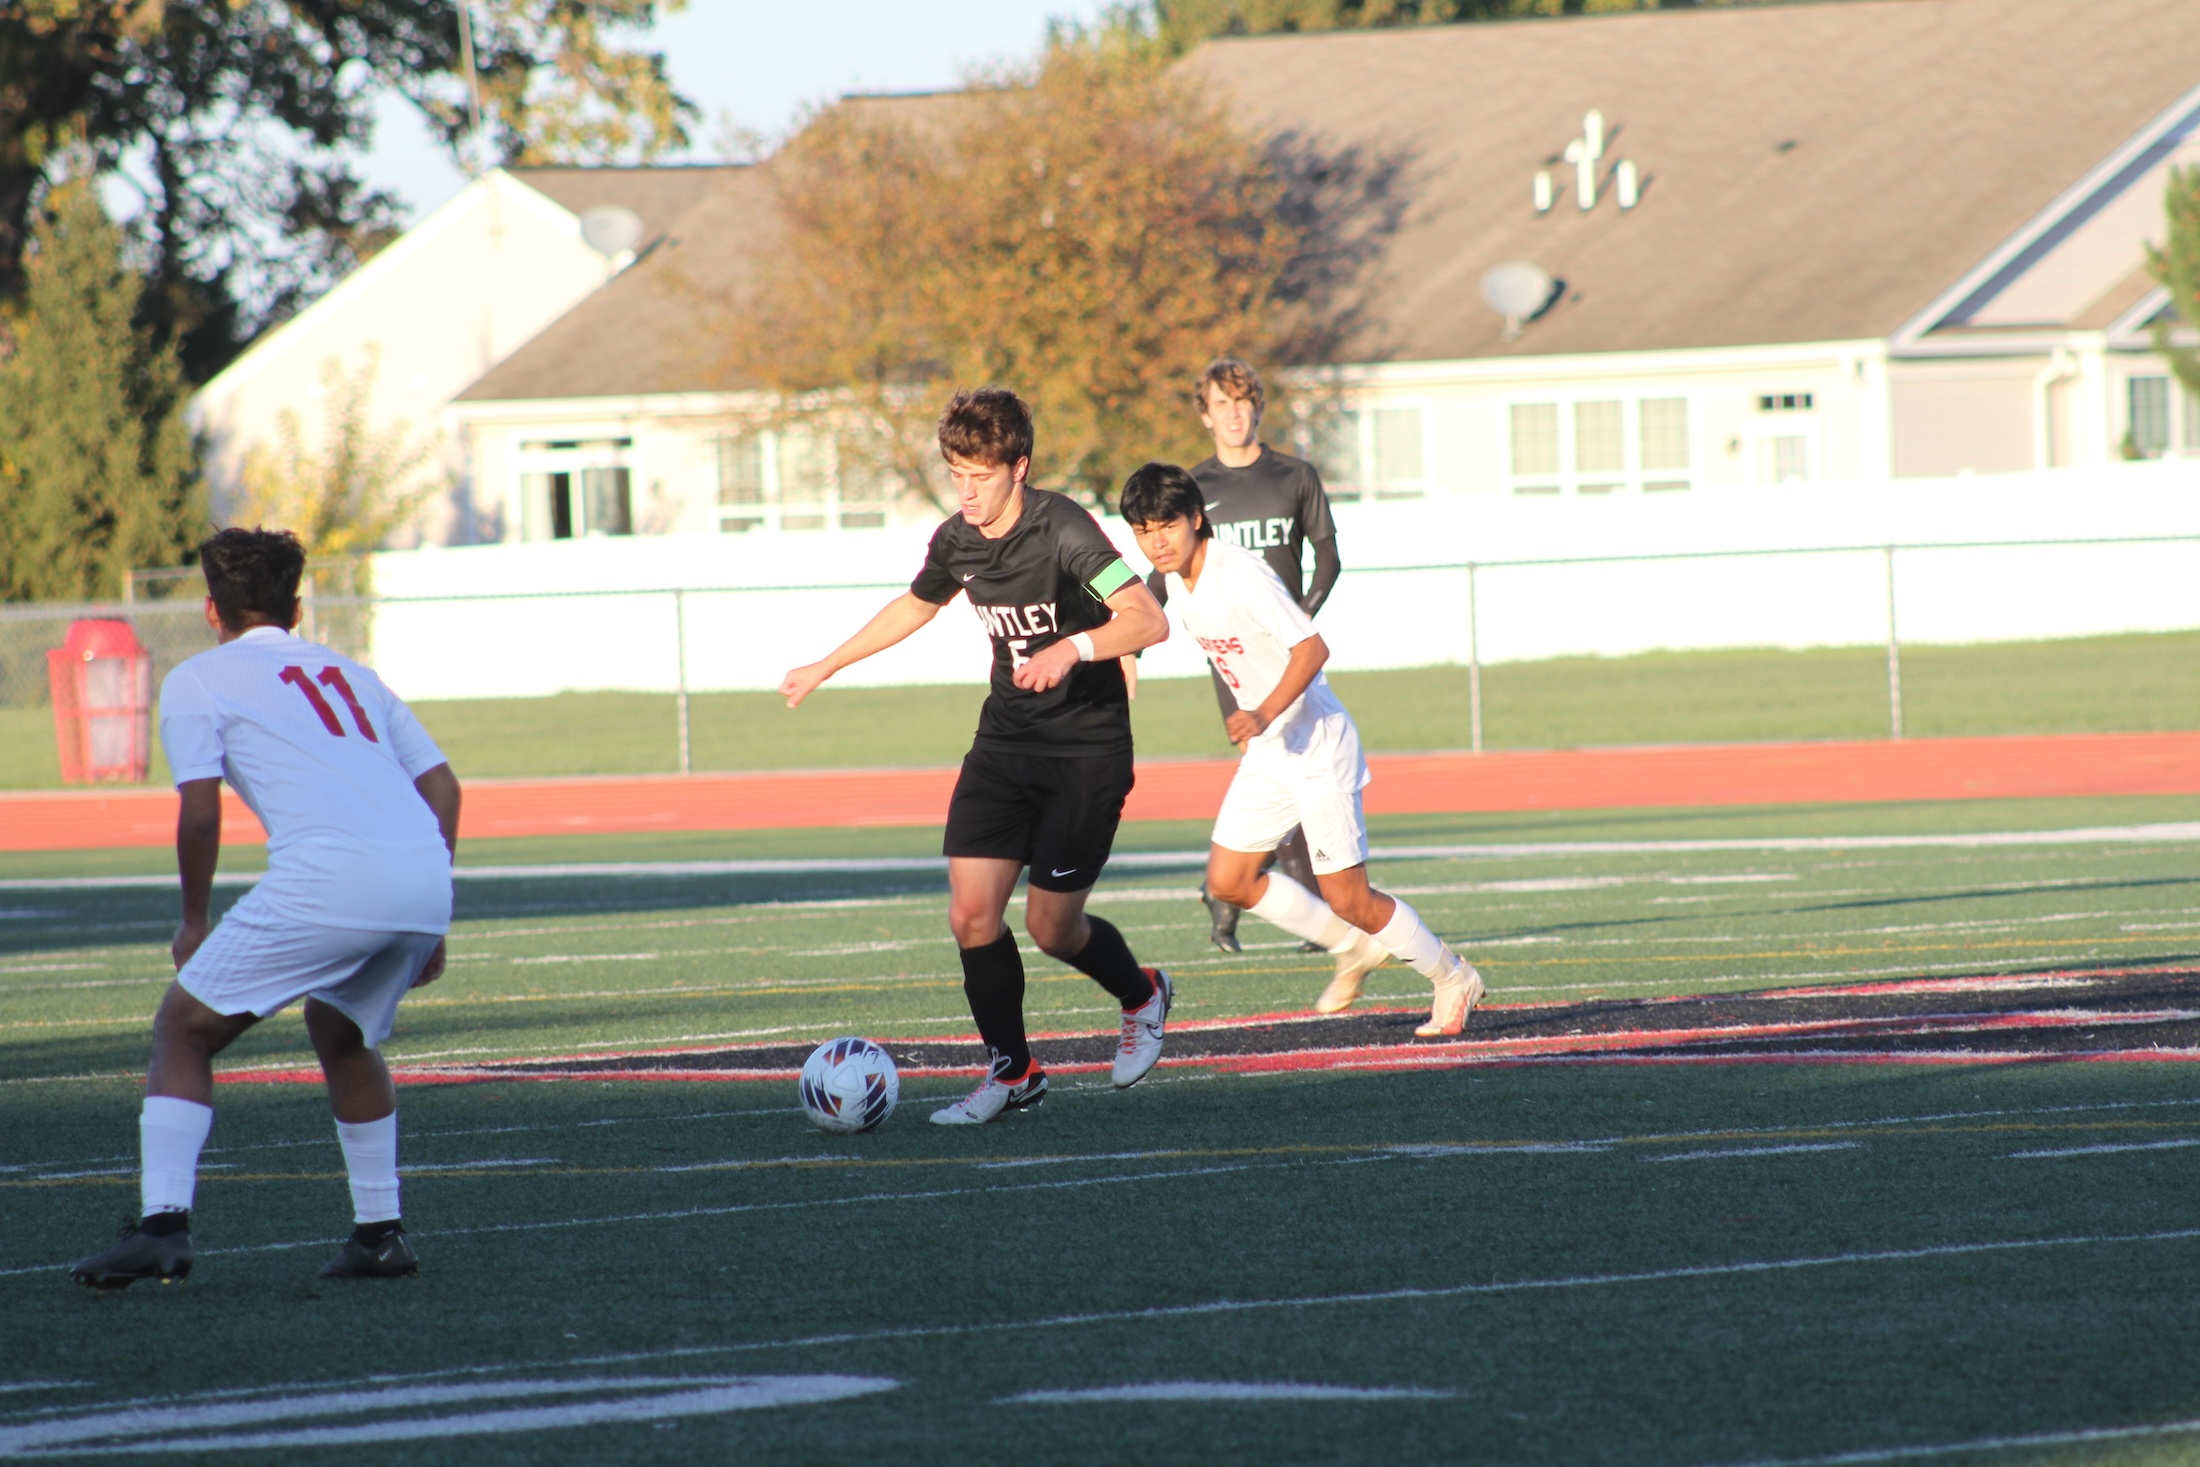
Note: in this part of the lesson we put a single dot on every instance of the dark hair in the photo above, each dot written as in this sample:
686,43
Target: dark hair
253,573
1154,494
988,425
1235,378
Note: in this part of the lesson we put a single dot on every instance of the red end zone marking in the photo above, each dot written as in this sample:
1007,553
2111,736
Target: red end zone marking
1544,779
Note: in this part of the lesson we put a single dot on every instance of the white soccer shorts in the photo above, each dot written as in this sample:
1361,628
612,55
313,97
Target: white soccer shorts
253,964
1270,797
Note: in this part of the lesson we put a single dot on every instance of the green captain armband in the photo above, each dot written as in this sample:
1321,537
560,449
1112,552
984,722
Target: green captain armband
1113,577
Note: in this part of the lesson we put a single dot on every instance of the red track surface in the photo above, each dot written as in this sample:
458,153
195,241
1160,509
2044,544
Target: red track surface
1559,779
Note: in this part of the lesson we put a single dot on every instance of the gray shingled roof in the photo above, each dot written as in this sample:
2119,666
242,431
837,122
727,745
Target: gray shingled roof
641,333
1812,172
1924,133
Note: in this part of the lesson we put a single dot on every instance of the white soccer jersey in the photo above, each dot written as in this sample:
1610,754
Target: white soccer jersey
1247,624
326,756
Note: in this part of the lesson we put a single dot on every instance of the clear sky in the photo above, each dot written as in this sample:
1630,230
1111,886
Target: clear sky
755,64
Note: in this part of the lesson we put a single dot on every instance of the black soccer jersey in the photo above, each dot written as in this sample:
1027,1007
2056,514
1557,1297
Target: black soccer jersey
1272,507
1046,579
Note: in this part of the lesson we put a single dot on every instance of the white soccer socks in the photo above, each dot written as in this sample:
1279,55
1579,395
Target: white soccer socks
370,1156
170,1134
1303,914
1408,938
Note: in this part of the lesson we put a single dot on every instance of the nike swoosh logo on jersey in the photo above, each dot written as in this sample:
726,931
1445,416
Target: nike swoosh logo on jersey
1213,507
970,576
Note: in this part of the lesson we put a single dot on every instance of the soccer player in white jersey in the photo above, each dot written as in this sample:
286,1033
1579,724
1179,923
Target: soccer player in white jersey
361,812
1302,765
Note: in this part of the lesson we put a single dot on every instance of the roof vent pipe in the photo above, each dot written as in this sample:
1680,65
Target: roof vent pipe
1585,174
1628,183
1543,193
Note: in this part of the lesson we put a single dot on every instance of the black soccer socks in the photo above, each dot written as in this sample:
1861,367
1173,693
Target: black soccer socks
1107,961
993,982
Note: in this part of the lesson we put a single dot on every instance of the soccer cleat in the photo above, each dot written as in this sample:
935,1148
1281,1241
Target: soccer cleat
390,1256
1457,992
1222,921
1353,965
137,1255
995,1097
1141,1043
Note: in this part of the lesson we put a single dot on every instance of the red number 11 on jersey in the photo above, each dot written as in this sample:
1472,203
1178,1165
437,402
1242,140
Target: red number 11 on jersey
334,678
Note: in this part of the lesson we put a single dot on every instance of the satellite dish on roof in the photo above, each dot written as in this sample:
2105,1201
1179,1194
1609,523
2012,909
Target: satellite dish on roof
610,230
1518,290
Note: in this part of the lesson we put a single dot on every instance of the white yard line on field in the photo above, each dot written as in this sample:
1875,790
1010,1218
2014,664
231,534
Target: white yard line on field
1984,1444
2167,833
1718,1155
2112,1148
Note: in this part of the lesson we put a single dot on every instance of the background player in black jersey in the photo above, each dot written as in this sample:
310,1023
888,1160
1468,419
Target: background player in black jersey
1273,505
1044,782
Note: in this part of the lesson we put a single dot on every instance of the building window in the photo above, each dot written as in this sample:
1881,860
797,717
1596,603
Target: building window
1787,458
799,481
1786,402
1600,445
1333,444
865,492
1665,457
1360,452
2148,402
571,487
1535,447
608,495
741,483
1394,448
2192,424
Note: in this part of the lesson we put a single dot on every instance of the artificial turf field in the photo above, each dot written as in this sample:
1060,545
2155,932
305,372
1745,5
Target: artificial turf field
1966,1244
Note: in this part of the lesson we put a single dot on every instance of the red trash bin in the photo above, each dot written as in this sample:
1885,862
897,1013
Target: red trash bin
102,678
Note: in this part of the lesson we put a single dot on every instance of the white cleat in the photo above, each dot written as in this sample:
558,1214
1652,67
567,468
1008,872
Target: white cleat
1140,1048
1457,992
995,1098
1353,965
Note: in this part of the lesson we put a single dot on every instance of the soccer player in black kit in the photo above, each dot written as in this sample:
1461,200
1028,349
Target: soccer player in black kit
1273,505
1044,782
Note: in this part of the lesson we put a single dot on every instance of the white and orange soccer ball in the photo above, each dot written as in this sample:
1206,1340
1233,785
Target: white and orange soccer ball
849,1085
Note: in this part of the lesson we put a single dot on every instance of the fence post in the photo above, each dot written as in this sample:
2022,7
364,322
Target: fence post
1894,658
1474,665
679,633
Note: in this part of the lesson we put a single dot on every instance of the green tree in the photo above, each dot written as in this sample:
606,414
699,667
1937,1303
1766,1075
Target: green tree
1086,229
2177,265
98,471
240,121
348,495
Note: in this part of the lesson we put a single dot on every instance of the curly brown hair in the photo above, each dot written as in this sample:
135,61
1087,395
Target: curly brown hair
1236,379
986,425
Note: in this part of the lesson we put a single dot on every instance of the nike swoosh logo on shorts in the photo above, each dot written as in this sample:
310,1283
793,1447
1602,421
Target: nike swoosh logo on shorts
1066,871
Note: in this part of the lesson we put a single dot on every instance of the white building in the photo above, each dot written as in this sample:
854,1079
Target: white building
1849,242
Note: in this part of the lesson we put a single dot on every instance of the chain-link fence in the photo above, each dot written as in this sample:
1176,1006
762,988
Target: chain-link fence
1464,615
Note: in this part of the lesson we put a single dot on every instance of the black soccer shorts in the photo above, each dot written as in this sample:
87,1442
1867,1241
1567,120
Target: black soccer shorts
1055,814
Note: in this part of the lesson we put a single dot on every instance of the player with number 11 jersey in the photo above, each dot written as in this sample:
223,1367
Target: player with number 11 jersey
361,813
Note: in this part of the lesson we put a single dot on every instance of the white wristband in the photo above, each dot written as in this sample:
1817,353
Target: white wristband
1082,641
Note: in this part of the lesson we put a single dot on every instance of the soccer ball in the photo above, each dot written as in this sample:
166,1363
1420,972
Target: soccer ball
849,1085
